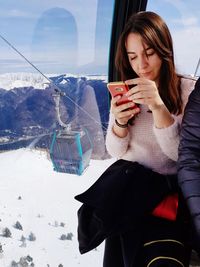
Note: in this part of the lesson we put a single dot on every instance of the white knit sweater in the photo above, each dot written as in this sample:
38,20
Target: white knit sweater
152,147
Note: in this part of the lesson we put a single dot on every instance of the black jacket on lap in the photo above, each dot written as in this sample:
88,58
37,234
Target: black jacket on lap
119,200
189,159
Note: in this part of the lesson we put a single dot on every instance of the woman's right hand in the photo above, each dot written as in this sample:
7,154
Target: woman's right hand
124,112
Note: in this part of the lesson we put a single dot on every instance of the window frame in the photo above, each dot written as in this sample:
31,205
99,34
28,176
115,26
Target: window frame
122,12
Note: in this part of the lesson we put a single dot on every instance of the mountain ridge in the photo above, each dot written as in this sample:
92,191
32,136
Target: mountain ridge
27,111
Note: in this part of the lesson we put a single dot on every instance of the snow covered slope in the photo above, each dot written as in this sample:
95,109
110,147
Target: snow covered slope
42,201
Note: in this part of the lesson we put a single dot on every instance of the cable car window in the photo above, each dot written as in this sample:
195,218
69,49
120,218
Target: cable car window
54,45
182,17
54,108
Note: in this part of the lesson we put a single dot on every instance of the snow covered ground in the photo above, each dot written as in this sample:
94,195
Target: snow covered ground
42,201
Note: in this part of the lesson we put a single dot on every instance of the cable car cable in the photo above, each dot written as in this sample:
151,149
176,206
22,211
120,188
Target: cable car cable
57,89
70,150
197,67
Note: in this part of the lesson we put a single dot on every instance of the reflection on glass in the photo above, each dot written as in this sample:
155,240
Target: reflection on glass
69,44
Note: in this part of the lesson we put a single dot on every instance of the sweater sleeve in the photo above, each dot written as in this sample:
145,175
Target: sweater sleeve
168,138
116,146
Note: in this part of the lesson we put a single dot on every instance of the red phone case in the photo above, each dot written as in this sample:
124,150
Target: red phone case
119,88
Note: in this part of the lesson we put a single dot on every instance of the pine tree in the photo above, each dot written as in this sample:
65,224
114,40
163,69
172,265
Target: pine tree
18,225
6,232
32,237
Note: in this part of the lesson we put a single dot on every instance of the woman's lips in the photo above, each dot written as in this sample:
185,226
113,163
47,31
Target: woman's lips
145,74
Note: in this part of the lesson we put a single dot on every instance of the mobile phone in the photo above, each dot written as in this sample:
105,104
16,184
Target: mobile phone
119,88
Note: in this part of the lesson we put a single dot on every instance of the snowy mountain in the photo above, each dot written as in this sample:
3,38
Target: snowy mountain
15,80
27,112
42,202
24,79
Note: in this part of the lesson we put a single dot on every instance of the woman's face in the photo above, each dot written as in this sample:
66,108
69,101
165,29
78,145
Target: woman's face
143,59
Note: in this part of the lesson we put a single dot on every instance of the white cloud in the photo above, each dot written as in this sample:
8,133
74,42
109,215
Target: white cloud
16,13
191,21
186,44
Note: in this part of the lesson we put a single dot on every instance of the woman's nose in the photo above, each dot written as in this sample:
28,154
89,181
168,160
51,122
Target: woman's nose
143,62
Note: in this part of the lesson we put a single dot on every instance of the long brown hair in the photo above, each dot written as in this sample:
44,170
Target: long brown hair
156,35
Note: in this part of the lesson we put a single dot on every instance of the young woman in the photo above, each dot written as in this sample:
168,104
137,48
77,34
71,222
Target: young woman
146,130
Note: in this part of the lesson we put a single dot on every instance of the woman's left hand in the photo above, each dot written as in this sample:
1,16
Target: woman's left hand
145,92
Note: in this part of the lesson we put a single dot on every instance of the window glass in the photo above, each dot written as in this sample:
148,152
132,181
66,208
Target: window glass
55,45
58,37
54,107
182,17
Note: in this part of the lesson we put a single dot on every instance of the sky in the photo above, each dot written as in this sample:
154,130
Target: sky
183,20
59,36
46,201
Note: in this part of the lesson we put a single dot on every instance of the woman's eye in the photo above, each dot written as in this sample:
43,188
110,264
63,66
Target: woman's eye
150,53
132,58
